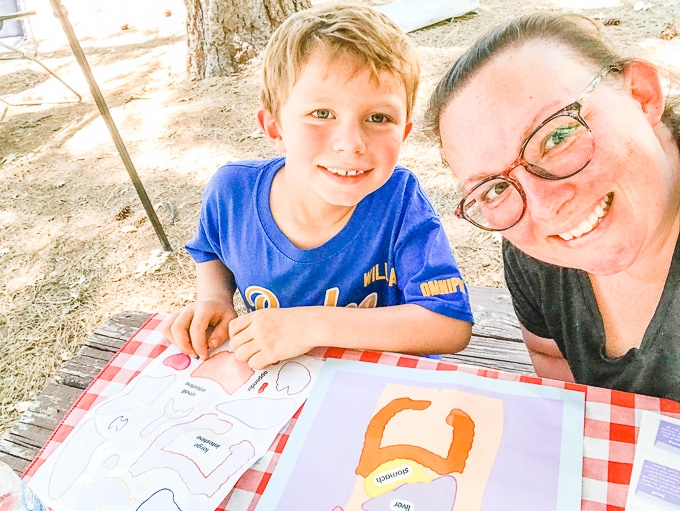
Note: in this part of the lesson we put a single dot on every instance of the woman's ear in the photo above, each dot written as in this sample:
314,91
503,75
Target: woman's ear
642,81
267,122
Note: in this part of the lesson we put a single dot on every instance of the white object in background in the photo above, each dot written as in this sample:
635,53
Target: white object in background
642,6
14,494
411,15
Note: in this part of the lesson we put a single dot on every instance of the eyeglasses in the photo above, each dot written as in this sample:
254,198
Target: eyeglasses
560,147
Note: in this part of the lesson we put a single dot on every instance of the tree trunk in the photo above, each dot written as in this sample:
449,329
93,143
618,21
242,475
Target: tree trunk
223,34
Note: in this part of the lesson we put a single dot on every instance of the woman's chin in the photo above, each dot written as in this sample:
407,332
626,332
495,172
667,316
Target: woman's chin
598,262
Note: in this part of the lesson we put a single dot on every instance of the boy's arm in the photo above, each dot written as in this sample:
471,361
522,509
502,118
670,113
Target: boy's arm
204,324
266,336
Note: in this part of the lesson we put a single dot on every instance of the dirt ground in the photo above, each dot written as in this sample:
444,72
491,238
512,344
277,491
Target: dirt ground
75,243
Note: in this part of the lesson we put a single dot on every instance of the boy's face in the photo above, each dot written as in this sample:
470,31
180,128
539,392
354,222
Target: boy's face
340,130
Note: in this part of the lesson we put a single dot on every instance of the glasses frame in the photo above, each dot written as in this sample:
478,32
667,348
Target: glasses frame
572,110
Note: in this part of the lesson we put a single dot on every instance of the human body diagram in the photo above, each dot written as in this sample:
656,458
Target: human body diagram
375,437
177,437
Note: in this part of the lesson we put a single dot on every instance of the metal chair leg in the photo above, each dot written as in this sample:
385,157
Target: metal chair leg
33,59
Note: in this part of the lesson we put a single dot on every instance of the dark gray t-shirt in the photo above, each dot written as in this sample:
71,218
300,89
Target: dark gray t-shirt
559,303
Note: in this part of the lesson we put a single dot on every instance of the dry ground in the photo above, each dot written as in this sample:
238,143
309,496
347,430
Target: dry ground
75,243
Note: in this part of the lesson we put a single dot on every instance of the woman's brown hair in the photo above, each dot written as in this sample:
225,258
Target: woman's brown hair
572,31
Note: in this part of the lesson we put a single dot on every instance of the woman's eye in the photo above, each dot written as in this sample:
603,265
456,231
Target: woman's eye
494,191
378,118
322,114
558,136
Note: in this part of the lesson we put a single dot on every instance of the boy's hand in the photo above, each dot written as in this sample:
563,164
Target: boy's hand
199,327
266,336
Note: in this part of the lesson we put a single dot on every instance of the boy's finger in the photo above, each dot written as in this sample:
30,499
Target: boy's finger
258,361
179,334
245,351
239,324
219,334
197,336
165,327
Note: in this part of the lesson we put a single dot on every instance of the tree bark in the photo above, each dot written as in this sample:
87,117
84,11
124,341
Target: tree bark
224,34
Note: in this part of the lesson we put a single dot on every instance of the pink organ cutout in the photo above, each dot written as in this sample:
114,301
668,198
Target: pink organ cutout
179,361
225,370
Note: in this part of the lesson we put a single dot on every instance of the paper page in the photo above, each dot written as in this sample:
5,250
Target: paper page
177,437
381,438
655,480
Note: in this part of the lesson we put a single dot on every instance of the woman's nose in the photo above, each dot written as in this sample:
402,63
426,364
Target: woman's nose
349,137
545,198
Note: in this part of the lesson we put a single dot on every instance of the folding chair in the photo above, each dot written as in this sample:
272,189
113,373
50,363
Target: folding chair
17,38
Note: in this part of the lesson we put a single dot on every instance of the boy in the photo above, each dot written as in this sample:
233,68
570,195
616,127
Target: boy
320,240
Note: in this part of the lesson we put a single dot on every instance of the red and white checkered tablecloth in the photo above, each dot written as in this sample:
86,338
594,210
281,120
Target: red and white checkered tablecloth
612,420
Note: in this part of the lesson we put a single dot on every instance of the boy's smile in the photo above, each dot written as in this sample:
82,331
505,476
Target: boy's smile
341,131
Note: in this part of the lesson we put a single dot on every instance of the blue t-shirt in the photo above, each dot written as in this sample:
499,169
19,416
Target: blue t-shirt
393,250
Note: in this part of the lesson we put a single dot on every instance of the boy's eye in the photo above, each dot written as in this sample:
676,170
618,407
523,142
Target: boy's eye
378,118
322,114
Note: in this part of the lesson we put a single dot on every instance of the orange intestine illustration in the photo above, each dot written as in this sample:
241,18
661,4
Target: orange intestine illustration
373,455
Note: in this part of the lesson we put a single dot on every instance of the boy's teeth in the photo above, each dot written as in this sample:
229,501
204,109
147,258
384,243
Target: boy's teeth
342,172
593,219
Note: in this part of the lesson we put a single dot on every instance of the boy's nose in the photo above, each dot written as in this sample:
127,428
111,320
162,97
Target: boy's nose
348,137
545,198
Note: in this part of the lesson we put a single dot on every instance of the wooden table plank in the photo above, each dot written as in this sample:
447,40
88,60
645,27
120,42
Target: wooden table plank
34,428
494,315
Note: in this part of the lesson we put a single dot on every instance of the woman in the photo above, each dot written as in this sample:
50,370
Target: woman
571,152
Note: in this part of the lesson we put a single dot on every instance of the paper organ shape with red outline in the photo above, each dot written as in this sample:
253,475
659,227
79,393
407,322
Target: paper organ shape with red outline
427,449
225,370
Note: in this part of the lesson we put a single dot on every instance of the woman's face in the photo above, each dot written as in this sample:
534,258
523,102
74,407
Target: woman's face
633,167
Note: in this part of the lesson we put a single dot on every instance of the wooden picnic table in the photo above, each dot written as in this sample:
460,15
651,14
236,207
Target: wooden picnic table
496,344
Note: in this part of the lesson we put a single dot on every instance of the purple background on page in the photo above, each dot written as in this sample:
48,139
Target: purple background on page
660,481
524,476
668,434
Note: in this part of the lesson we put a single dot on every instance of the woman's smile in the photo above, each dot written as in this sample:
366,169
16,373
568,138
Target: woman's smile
594,218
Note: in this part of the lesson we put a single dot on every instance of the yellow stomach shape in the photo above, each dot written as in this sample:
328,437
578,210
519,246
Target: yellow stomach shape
394,473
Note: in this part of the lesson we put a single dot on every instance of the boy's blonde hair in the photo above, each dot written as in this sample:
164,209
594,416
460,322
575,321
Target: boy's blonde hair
340,30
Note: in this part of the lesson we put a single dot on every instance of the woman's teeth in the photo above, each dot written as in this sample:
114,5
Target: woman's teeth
593,219
342,172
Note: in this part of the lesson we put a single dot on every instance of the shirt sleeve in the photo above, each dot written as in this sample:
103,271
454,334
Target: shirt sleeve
205,244
426,267
524,286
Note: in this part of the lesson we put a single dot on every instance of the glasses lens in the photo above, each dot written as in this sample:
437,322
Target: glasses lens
495,204
560,148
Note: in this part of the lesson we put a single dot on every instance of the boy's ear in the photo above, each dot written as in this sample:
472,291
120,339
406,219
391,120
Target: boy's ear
270,127
407,130
642,81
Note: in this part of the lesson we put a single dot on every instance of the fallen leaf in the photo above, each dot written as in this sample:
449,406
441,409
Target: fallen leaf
124,212
669,32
